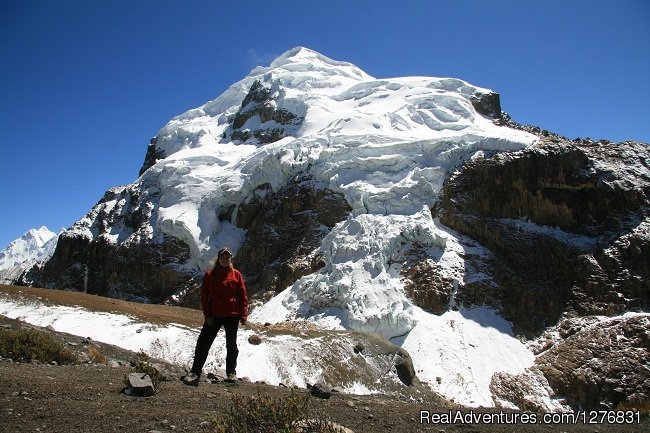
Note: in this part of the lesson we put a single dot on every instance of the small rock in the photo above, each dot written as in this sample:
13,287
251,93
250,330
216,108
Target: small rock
350,403
205,424
140,384
255,340
321,391
359,347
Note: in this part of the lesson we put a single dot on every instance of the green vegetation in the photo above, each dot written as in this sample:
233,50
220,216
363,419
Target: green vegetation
26,345
266,414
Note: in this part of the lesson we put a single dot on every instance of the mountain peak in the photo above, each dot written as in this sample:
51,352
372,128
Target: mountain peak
305,59
295,53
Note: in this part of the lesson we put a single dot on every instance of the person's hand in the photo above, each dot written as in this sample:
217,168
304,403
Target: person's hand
209,321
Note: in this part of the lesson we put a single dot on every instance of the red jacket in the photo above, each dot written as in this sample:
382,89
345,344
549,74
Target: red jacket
223,293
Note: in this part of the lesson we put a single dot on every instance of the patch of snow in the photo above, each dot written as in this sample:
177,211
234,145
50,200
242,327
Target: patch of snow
458,352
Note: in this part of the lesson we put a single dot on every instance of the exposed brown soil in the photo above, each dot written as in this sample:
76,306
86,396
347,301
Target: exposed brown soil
88,398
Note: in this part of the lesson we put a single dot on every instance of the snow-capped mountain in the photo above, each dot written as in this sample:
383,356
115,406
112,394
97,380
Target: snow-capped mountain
384,145
406,207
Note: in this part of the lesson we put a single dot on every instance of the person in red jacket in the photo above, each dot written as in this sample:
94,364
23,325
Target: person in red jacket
224,302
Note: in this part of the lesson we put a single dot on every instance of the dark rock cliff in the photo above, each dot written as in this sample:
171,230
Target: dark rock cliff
601,366
567,224
284,229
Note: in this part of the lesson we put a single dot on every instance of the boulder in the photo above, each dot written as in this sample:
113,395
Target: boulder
404,367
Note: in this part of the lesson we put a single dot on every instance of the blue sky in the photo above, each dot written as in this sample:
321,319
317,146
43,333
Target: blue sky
84,85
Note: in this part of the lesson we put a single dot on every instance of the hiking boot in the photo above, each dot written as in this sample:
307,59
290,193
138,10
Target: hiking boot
232,377
191,379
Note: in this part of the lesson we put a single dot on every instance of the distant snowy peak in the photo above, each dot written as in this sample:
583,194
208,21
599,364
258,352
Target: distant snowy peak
35,245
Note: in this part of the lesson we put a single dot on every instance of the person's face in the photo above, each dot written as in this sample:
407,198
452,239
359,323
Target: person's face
225,259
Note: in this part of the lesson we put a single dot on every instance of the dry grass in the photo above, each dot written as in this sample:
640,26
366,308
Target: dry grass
96,356
641,405
268,414
151,313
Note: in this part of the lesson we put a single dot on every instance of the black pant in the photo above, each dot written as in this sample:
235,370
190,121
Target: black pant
206,338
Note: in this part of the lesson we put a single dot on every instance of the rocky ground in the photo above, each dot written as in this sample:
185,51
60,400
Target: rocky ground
89,397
